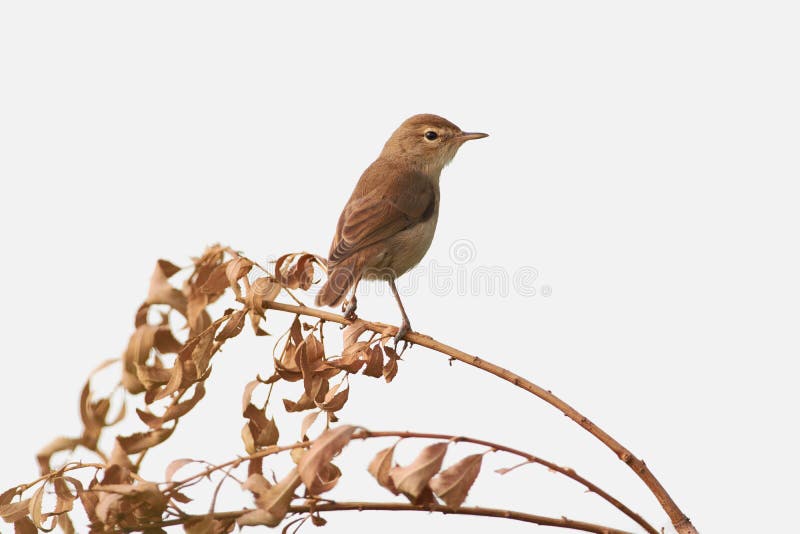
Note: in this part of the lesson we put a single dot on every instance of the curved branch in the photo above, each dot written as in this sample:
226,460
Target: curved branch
364,433
679,520
566,471
559,522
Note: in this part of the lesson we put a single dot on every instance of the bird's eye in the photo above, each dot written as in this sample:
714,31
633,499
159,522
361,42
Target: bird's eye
430,135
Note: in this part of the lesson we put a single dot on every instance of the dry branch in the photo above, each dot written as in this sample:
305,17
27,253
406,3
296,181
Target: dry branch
559,522
679,520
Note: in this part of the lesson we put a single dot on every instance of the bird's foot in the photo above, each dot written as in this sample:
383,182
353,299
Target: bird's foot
405,328
349,309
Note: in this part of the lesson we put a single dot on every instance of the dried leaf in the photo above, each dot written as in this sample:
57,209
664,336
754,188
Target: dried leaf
59,444
413,479
233,326
217,281
453,484
322,451
64,497
143,440
380,466
259,431
25,526
247,394
13,512
174,383
302,404
352,332
35,510
262,289
351,362
390,369
298,274
165,341
375,362
65,524
161,291
327,477
272,501
334,399
199,525
236,269
175,465
308,420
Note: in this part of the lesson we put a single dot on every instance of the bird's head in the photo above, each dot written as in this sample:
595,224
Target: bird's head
428,142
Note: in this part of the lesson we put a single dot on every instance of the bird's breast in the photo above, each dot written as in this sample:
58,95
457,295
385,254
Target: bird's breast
406,249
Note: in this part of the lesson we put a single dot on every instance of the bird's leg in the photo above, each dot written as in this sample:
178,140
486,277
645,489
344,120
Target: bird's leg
405,326
352,303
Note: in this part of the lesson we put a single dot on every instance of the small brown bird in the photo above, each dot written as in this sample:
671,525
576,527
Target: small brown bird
388,224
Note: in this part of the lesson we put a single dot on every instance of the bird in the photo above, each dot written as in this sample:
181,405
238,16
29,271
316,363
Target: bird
387,225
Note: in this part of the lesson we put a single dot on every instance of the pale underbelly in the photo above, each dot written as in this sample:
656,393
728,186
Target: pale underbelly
403,251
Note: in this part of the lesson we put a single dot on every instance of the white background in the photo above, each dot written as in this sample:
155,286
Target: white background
643,158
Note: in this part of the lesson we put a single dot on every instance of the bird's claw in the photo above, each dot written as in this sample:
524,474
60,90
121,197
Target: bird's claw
350,309
405,328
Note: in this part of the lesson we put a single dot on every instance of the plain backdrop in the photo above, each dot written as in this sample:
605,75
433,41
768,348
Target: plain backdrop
642,170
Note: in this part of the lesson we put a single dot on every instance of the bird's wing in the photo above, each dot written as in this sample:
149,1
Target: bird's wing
382,213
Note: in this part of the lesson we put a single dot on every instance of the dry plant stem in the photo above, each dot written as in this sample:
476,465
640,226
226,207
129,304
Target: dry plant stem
679,520
531,458
367,434
561,522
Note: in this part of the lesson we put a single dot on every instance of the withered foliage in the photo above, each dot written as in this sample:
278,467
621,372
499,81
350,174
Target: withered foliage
167,363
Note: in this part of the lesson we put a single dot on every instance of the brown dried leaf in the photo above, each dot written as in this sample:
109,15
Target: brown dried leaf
302,404
175,465
199,525
161,291
453,484
233,326
165,341
64,497
334,399
381,465
308,420
328,477
174,383
259,431
247,394
35,510
143,440
390,369
59,444
350,363
217,281
352,332
296,270
272,501
13,512
236,269
413,479
310,357
322,451
65,524
25,526
196,314
374,366
262,289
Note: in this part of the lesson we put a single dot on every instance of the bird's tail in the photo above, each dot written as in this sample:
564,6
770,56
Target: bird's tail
340,279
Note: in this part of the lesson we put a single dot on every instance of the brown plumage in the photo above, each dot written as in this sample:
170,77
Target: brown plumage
388,224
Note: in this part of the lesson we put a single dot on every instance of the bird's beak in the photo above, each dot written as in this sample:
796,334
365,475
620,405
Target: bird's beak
466,136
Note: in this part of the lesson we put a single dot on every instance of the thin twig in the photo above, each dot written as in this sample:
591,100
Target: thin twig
566,471
679,520
560,522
